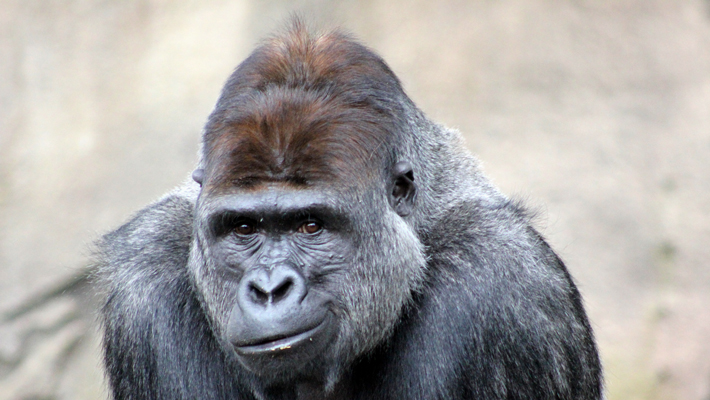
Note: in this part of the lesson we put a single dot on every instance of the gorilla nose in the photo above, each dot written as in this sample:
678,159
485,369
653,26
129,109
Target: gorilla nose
279,287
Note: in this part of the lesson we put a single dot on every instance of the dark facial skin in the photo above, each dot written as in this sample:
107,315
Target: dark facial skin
283,247
280,244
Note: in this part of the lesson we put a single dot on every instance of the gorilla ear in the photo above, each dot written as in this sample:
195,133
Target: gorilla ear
198,175
404,190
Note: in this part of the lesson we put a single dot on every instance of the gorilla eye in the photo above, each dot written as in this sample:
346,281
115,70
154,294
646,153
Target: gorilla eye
245,228
310,228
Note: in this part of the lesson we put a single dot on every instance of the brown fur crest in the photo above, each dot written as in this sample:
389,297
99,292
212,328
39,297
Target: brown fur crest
302,109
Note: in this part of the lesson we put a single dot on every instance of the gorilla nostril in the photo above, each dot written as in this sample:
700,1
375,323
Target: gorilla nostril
258,295
262,295
281,291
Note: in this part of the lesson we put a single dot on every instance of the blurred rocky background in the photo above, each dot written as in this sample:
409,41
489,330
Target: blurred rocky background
597,112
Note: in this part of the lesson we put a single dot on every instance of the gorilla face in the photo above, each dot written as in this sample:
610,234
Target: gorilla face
282,250
301,279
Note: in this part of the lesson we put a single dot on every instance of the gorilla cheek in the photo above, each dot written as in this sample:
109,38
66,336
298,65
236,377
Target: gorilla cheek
391,274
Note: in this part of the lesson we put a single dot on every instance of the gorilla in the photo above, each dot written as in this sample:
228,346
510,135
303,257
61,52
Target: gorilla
334,243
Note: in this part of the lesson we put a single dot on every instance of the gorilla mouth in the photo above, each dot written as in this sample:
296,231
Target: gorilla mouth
282,342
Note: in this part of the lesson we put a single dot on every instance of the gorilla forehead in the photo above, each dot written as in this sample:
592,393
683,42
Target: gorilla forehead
303,109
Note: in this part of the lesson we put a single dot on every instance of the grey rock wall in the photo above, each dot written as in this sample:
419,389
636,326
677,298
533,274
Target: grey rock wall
597,113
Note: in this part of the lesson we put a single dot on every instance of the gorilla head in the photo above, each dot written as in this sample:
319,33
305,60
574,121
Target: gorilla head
303,253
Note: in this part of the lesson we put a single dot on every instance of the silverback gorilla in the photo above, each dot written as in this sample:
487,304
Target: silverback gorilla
336,244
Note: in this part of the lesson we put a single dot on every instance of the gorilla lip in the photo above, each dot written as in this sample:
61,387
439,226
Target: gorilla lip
282,343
